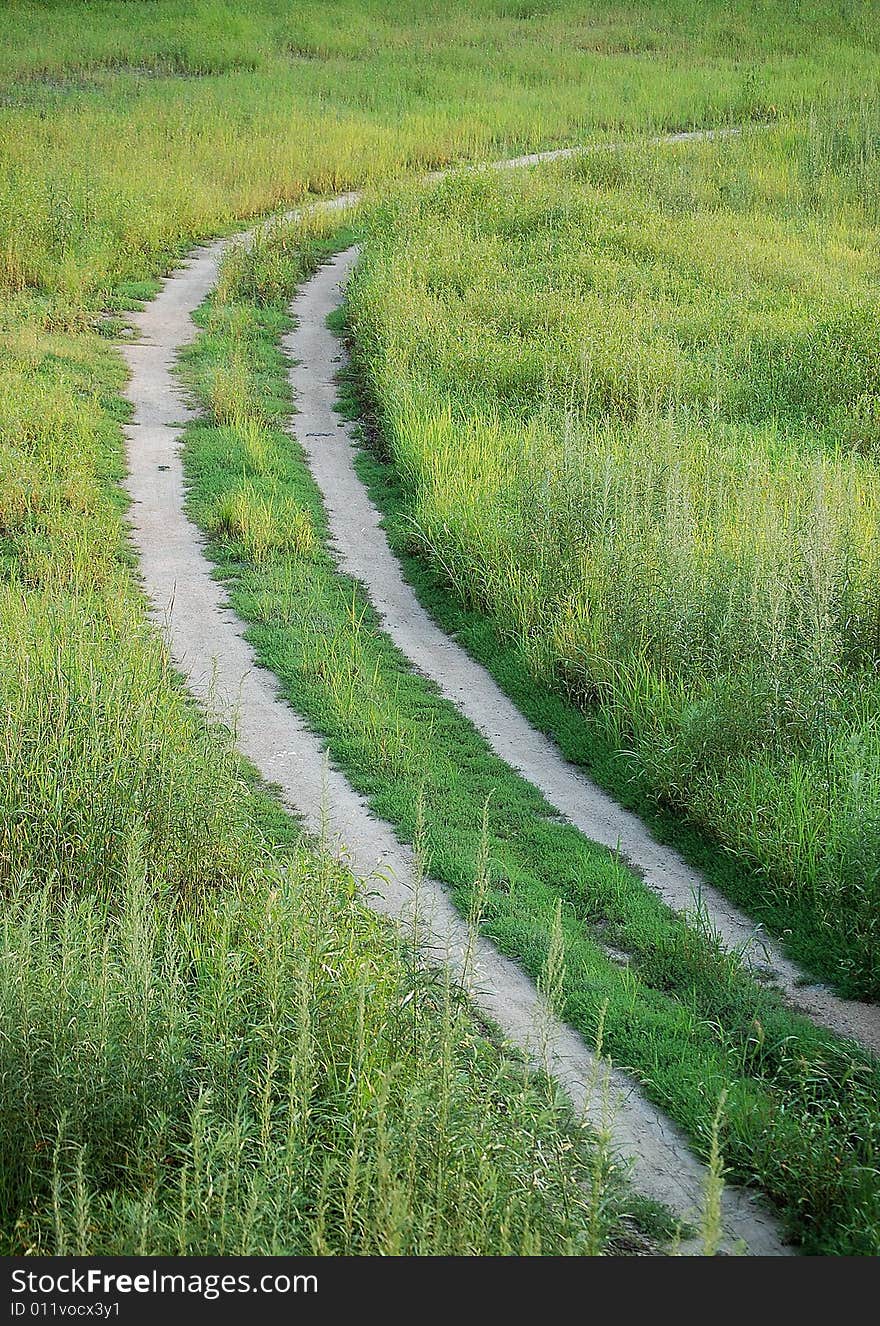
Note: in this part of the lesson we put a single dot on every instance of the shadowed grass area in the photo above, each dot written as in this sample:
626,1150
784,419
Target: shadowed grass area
673,1007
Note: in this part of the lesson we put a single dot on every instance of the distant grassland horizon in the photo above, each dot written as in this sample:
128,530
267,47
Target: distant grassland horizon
128,129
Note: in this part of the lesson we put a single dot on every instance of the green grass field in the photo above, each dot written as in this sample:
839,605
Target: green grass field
164,927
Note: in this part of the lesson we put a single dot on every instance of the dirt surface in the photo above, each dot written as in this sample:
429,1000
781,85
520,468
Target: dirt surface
205,639
362,550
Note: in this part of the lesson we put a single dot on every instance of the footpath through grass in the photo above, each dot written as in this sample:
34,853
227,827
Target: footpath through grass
801,1118
209,1046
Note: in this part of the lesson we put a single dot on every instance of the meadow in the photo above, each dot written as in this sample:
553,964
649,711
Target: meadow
163,925
129,129
633,406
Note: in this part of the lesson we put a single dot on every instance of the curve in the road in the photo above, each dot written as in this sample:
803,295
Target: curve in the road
206,642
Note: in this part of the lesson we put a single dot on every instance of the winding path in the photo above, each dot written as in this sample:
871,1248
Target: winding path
206,642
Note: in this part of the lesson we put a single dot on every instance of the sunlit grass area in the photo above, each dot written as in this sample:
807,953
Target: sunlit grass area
127,129
633,405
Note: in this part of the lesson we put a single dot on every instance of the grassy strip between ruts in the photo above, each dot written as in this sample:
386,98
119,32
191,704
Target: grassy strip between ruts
801,1118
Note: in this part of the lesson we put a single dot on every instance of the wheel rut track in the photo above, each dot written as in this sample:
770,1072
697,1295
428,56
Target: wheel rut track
362,551
206,642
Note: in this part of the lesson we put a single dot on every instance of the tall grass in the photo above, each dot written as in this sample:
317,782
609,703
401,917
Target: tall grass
256,1071
633,406
104,761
